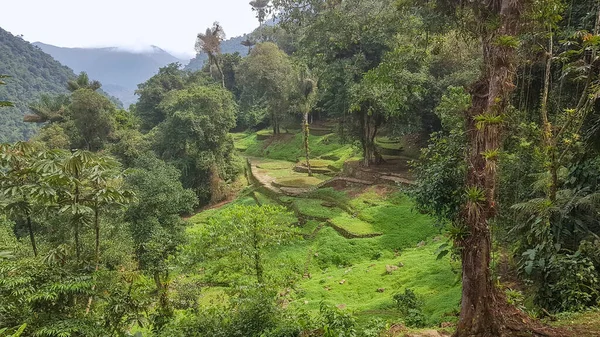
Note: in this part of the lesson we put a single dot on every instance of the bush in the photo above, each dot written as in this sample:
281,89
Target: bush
410,306
571,284
251,313
335,323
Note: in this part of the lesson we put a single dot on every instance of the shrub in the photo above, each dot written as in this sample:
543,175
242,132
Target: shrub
336,323
411,307
571,284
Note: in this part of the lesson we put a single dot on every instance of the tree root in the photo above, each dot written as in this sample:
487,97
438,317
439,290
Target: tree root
512,322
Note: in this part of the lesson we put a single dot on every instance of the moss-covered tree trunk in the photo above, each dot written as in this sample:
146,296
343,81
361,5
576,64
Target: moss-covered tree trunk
484,311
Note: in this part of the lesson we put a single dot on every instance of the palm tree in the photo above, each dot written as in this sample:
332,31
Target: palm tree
210,43
48,109
248,43
262,8
83,82
307,87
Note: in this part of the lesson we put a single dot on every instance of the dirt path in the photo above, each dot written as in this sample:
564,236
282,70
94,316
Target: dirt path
261,176
264,179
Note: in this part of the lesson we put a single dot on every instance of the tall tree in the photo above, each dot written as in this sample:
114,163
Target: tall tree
83,82
267,75
307,91
484,312
20,182
155,222
248,43
210,43
194,138
262,9
153,91
91,113
49,109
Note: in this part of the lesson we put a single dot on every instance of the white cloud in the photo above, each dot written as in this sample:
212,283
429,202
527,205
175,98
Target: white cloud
133,24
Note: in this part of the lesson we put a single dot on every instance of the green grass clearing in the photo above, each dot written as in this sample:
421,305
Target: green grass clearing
315,208
353,225
361,262
289,147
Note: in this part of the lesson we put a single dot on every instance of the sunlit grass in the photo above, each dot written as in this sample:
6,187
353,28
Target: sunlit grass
297,182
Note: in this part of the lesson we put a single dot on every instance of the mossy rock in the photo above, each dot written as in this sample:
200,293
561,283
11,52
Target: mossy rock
297,182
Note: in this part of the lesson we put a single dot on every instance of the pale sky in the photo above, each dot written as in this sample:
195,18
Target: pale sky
168,24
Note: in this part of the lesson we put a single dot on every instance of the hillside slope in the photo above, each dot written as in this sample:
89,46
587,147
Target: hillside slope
33,72
120,71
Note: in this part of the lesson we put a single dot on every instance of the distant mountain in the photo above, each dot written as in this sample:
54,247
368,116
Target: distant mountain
230,46
33,73
119,70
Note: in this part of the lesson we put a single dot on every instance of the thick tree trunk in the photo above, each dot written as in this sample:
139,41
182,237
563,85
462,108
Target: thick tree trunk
306,134
481,302
369,127
31,236
547,132
275,120
221,73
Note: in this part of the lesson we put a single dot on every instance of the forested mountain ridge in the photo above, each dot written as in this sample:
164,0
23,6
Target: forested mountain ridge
119,70
32,72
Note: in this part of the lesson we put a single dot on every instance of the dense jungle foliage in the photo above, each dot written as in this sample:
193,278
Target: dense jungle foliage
32,73
212,207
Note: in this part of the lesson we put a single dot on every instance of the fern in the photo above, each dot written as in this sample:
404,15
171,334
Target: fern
507,41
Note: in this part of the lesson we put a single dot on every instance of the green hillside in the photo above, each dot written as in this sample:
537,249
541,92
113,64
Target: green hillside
32,72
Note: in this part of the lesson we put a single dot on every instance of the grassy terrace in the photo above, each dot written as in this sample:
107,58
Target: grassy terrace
357,248
288,147
351,273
